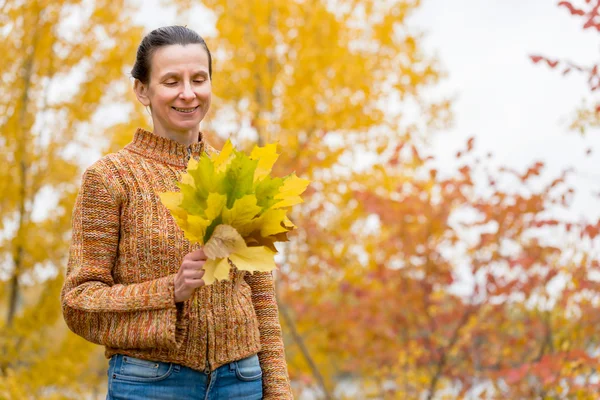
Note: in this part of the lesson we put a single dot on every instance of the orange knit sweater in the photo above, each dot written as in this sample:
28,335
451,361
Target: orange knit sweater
125,252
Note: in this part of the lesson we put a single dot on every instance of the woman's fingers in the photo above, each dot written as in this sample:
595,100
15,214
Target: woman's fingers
196,255
189,276
194,273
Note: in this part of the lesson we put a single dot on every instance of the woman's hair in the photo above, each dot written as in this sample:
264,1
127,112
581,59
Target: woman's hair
165,36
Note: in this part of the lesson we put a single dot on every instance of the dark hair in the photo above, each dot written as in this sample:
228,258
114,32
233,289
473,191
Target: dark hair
165,36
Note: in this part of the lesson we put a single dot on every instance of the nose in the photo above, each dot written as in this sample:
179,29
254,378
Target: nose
187,93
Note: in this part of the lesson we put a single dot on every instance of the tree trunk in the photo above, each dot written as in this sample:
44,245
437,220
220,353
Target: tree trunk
22,159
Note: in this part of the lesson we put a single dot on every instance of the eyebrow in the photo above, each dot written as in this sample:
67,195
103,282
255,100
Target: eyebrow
176,74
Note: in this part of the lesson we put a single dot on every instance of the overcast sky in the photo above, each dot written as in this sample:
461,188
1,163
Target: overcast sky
516,109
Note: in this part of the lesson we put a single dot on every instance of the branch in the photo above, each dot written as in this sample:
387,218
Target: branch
442,363
304,350
296,335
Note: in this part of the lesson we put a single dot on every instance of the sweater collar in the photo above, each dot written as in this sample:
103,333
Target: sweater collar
159,148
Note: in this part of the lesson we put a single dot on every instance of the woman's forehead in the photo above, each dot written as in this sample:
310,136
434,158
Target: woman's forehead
177,57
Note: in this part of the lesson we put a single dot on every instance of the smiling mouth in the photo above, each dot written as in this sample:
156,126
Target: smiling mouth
185,110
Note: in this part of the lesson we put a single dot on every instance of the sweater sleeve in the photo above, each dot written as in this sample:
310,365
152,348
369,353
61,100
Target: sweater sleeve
135,316
276,383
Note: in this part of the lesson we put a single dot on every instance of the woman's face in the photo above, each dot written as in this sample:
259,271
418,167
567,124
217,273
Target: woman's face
179,90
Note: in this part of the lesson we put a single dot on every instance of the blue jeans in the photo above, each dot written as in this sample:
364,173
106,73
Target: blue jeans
131,378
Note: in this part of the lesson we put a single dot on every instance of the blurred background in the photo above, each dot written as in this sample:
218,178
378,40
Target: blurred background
448,246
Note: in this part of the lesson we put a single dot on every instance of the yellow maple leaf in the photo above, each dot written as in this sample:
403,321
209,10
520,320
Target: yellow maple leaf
270,222
192,164
214,205
172,200
289,192
287,223
242,214
266,157
187,179
254,259
195,228
221,161
216,270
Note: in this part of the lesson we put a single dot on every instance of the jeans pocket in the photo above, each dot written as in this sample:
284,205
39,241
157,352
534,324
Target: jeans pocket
138,370
248,369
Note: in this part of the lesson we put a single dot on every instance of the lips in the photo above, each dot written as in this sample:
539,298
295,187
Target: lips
185,110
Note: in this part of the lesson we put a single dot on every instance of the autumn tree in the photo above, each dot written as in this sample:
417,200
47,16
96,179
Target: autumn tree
487,286
61,60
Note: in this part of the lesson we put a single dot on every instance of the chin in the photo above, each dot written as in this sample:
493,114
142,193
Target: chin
186,126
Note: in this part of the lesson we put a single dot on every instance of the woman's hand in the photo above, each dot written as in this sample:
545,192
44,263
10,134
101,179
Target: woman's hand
189,276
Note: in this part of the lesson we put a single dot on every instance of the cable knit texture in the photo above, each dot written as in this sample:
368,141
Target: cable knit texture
125,251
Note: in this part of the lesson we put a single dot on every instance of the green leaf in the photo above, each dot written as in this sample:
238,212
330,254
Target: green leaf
206,179
211,228
203,175
239,178
191,201
266,190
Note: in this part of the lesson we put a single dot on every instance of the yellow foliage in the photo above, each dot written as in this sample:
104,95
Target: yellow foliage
61,61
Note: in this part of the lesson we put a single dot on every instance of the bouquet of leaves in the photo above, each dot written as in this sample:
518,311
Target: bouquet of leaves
231,205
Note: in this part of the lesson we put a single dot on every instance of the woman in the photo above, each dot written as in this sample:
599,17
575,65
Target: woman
134,283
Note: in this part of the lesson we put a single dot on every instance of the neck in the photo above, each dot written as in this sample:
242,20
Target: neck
186,137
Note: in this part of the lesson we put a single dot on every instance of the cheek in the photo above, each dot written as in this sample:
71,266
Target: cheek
206,100
205,91
163,96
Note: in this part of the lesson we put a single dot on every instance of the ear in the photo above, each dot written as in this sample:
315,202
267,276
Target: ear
141,92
